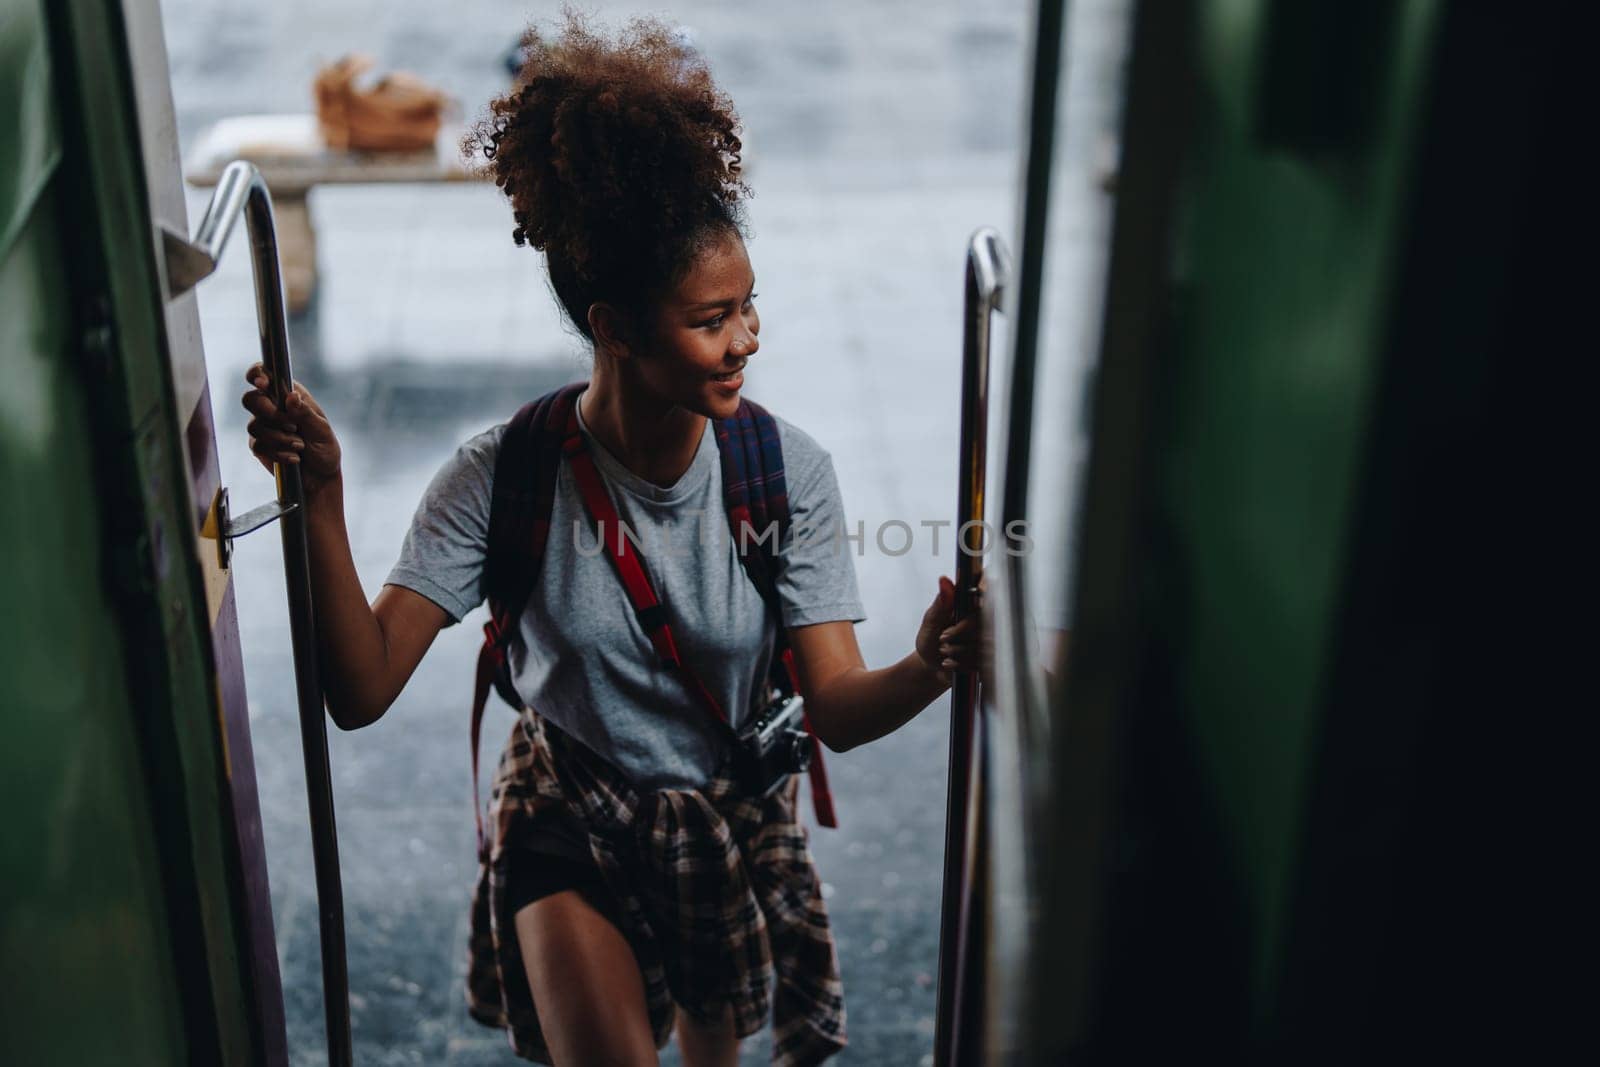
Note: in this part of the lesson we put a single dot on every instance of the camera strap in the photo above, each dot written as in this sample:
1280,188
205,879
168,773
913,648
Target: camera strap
525,476
647,607
652,614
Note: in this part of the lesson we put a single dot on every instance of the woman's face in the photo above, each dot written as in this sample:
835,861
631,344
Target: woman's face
705,331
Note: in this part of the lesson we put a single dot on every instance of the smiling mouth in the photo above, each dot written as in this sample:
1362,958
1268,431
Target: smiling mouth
730,375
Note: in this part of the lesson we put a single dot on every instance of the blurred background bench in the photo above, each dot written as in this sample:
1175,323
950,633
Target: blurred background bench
290,153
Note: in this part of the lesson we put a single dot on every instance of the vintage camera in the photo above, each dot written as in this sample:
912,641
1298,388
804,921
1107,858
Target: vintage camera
772,746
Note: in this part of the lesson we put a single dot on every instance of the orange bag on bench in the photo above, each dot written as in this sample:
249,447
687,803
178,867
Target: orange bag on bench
399,113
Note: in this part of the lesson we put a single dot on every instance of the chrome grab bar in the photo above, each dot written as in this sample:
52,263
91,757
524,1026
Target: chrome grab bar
189,261
988,273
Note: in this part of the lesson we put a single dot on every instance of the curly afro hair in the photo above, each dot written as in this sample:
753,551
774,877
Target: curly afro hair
621,160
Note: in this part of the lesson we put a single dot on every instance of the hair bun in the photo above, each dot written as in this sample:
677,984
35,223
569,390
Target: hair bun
612,146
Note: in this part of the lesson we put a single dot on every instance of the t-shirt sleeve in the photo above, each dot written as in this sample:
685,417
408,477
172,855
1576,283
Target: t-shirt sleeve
816,577
443,554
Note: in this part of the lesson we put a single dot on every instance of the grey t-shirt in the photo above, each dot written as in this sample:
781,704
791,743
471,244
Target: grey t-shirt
582,660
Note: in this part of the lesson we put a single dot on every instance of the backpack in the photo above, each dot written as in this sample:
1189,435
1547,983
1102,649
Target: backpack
754,494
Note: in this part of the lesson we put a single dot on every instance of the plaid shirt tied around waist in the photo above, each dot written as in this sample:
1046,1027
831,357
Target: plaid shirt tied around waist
715,891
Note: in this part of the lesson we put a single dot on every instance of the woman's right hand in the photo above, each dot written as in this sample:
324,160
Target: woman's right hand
298,434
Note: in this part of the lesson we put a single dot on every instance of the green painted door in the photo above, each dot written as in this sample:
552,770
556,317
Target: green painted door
1226,376
124,936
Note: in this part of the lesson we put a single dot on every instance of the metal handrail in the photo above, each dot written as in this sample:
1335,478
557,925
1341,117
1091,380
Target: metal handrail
1015,743
242,190
988,271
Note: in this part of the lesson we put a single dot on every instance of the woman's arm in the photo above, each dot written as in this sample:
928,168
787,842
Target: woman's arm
850,705
366,652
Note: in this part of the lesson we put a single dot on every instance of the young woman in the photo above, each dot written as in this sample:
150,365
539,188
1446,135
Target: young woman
631,883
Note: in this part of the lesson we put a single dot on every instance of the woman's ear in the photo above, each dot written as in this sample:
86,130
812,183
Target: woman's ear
610,330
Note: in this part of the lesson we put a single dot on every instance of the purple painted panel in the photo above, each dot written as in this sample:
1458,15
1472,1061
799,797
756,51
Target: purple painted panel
257,903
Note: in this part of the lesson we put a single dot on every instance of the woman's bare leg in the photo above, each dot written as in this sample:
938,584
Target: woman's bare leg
586,984
707,1045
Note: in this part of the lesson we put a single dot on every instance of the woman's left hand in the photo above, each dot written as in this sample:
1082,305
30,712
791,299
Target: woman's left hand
946,644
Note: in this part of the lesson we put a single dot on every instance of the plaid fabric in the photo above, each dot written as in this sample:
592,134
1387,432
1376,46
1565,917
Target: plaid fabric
716,892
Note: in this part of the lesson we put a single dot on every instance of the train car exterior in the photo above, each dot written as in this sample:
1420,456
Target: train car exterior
1255,801
136,926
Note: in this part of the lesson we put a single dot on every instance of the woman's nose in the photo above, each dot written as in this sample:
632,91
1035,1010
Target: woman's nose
745,345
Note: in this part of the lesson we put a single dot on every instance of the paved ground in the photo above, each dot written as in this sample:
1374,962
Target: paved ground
881,135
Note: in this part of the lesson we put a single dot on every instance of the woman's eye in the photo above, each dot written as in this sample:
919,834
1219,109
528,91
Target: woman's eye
712,324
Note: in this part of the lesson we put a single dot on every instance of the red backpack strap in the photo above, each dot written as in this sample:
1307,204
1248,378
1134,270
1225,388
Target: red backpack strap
756,498
624,557
519,526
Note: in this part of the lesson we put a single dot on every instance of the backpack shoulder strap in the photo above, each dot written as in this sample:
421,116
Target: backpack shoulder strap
756,498
519,527
519,511
754,492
